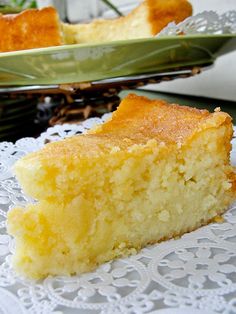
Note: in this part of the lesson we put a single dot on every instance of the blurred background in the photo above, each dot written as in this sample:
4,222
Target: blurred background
219,82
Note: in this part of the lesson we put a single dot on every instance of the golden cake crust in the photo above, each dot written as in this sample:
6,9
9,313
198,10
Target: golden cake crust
144,118
137,121
163,12
160,13
31,28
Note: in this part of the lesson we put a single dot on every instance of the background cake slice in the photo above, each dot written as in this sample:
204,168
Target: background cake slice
154,171
42,28
148,19
30,29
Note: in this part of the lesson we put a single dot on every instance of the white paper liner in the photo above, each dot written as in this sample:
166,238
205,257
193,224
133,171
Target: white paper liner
207,22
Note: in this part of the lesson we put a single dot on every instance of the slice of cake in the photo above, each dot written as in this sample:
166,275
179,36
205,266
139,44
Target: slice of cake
30,29
148,19
153,172
41,28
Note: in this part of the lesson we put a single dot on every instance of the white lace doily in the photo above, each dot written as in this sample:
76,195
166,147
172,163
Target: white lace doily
207,22
195,274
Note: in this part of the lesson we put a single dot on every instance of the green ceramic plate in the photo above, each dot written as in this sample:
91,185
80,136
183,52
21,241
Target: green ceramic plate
4,9
83,62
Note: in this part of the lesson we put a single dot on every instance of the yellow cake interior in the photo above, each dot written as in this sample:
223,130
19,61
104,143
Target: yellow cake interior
154,171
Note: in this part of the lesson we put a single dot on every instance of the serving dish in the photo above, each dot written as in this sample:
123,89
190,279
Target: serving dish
94,62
